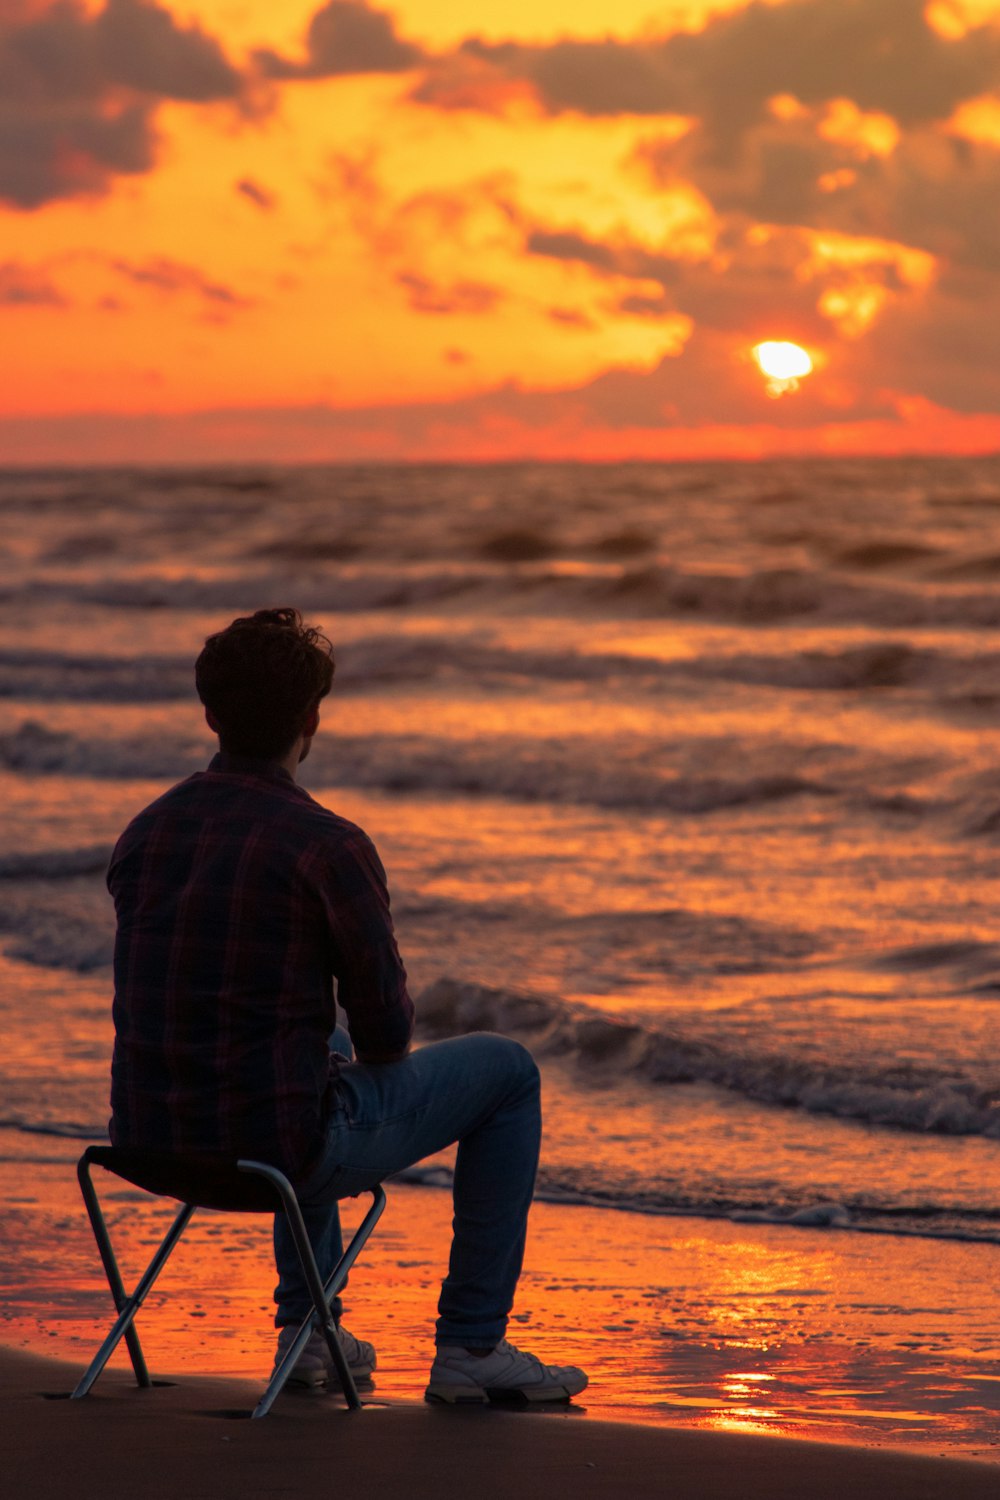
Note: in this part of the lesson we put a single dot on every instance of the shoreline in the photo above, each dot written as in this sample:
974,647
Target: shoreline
681,1323
187,1439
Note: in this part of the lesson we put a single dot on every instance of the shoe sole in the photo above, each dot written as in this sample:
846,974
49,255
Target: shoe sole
463,1395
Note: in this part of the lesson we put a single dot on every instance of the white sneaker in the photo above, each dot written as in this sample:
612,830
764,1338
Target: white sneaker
505,1374
314,1367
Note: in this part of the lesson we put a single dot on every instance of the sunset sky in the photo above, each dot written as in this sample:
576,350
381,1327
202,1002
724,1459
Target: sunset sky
241,230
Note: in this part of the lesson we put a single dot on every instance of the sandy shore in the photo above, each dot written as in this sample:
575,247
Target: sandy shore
726,1331
190,1440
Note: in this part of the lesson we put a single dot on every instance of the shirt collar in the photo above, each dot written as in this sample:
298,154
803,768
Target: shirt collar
248,765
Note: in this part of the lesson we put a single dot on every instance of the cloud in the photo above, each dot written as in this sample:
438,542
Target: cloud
25,286
751,288
163,275
345,37
934,191
260,196
571,317
462,80
883,54
142,47
79,90
595,78
453,297
942,349
568,244
831,222
638,306
818,137
425,240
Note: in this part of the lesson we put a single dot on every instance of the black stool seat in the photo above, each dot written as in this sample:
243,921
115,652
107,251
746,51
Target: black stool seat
240,1186
205,1181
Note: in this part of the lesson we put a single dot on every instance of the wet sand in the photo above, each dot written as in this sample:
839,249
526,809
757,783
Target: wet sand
719,1328
191,1439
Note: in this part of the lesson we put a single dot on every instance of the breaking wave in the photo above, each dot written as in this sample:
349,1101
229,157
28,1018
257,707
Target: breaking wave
904,1097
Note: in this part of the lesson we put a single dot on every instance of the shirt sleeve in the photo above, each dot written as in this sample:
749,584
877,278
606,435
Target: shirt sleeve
371,979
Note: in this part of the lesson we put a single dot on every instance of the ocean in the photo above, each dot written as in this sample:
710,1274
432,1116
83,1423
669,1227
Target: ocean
684,775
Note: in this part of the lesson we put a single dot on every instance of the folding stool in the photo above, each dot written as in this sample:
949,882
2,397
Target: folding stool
240,1187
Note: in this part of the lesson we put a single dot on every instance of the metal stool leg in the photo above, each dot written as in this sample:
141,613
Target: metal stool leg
321,1295
127,1306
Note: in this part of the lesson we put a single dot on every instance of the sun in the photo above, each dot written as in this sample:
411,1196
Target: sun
783,363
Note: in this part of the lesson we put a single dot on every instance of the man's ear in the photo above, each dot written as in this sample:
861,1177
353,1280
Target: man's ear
311,724
212,721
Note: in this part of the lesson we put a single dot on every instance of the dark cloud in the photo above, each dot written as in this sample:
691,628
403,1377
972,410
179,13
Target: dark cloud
68,152
571,317
935,192
461,80
260,196
618,257
570,245
142,47
25,286
161,274
775,173
453,297
346,36
68,54
747,279
883,54
595,78
942,347
78,93
637,306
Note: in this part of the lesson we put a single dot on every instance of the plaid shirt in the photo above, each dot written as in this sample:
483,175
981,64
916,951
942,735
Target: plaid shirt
239,900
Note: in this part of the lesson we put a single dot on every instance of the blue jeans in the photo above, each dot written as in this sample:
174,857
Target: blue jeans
482,1091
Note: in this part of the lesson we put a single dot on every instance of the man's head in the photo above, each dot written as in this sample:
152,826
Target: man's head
261,680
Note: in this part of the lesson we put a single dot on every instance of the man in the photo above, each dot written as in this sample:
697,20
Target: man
241,903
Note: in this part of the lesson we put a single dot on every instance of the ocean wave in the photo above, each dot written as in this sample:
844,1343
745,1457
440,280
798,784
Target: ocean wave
56,675
922,956
55,864
985,566
74,931
564,1185
599,775
873,665
35,749
687,778
386,659
72,1130
328,584
868,556
324,587
902,1097
56,914
930,1221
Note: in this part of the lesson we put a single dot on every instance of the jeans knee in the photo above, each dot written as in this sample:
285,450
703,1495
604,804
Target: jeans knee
523,1068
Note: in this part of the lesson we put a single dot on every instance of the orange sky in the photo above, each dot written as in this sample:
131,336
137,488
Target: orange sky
233,230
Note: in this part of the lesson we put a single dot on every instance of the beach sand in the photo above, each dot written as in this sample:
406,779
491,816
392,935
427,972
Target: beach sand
189,1440
714,1350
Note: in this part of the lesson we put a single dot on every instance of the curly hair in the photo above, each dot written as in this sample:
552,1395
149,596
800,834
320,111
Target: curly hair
260,679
